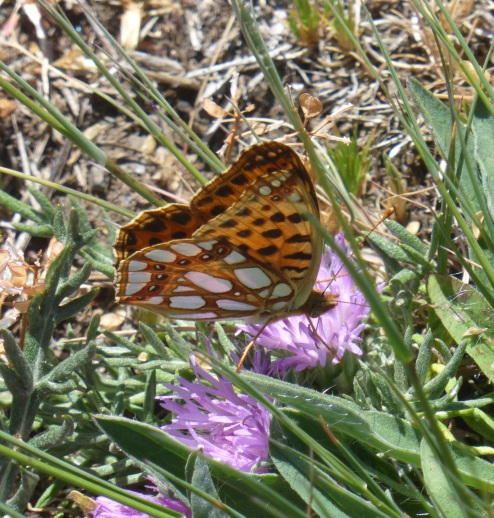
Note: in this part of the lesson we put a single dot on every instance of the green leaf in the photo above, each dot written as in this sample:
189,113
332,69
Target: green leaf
326,497
21,208
483,132
438,486
407,238
464,312
152,446
201,479
44,202
380,431
476,472
35,230
156,343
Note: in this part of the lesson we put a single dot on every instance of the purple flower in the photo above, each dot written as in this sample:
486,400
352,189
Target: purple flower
227,426
309,341
107,508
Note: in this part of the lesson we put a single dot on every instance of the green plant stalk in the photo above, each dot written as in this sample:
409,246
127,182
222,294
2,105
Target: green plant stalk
67,190
330,460
257,46
56,120
463,135
426,10
178,125
414,131
470,168
31,365
432,433
153,129
76,477
319,477
157,441
10,512
49,114
360,470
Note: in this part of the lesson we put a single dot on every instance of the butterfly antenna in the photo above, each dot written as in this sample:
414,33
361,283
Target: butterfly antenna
387,214
250,345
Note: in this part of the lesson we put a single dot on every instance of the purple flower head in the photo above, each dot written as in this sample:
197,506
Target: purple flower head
227,426
107,508
309,341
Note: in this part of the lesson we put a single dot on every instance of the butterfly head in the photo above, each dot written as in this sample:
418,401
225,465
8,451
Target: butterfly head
318,303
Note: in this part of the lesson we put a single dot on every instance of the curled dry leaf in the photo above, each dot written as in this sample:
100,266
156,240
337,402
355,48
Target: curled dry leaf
19,279
212,109
311,106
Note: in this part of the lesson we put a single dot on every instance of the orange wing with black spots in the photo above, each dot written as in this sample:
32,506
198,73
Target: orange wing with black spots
244,247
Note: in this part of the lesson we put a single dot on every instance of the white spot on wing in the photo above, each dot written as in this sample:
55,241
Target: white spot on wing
135,266
253,278
281,290
155,301
132,289
208,282
294,197
139,277
275,183
197,316
265,190
187,249
184,302
234,258
234,305
160,256
183,288
208,245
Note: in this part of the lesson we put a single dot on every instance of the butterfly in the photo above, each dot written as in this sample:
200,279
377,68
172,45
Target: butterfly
245,246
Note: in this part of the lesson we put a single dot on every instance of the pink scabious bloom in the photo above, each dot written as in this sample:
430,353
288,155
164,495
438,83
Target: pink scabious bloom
309,341
107,508
225,425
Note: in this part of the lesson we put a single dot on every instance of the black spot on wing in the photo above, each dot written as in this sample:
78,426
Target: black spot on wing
154,225
277,217
272,233
299,238
299,256
181,218
224,191
217,210
268,250
295,218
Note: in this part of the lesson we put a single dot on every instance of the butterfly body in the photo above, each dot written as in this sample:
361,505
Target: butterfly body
243,248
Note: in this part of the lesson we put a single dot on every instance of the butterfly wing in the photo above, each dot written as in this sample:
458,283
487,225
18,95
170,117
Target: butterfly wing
195,279
155,226
258,255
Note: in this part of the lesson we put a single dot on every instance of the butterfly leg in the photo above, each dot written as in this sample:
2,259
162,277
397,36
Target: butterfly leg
251,344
